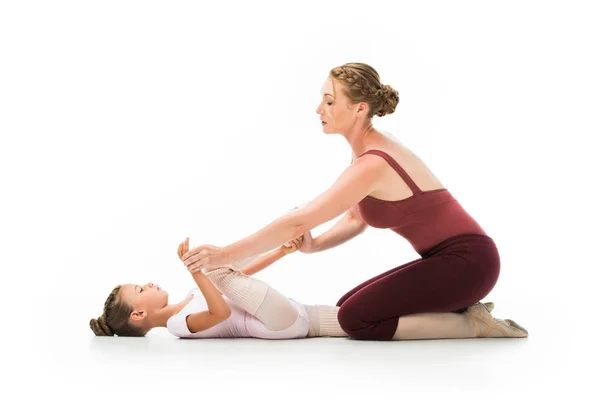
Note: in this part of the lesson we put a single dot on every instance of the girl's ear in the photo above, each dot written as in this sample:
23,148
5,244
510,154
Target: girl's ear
138,315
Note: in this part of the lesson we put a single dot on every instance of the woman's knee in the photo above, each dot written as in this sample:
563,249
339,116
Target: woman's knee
342,316
350,322
358,328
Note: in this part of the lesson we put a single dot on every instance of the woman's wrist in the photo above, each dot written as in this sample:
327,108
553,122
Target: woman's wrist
227,256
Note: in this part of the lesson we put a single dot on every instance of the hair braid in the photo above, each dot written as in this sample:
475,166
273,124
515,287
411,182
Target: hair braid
362,84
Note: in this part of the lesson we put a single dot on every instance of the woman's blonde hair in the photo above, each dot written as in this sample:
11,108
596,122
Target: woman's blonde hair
361,83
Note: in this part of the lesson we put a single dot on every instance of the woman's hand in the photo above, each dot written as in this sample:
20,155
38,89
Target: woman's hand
292,246
308,244
184,253
204,256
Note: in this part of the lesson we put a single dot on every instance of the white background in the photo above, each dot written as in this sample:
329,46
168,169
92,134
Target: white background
127,126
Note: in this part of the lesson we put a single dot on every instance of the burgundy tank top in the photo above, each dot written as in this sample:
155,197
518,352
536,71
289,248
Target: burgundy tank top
423,219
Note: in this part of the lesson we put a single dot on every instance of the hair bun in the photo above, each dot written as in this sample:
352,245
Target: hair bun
390,100
100,327
361,83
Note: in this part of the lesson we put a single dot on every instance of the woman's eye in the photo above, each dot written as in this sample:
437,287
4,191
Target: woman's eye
329,104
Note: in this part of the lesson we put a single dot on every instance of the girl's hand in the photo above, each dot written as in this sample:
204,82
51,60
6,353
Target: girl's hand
183,248
292,246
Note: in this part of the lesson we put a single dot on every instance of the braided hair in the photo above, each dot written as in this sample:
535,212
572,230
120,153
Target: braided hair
361,83
115,318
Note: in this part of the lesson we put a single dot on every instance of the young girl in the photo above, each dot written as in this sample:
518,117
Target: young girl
227,303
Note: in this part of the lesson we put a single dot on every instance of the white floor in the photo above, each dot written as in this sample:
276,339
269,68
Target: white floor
77,365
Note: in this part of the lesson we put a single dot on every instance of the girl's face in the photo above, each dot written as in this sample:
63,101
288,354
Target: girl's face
144,299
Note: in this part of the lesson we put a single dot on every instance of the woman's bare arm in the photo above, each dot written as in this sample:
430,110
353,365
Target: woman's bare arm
353,185
348,227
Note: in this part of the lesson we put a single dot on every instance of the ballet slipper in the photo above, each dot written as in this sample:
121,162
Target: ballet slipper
480,316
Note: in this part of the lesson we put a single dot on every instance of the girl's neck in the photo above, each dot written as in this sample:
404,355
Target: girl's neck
160,318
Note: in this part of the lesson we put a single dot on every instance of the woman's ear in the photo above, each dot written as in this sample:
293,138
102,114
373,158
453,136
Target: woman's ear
363,108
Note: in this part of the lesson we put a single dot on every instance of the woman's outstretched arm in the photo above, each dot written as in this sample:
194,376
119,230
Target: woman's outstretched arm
348,227
353,185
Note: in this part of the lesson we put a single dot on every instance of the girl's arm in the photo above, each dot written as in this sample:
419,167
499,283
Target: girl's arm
269,258
263,262
218,309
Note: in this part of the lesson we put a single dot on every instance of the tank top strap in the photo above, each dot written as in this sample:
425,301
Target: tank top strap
411,184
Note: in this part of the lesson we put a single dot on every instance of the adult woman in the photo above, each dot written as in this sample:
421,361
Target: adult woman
388,186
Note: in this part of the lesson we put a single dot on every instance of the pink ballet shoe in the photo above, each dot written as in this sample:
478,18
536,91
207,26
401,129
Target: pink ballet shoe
486,325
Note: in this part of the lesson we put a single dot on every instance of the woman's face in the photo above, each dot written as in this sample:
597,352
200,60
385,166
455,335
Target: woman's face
147,298
335,111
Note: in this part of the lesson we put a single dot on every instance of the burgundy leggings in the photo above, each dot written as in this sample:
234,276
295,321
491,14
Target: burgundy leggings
449,277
